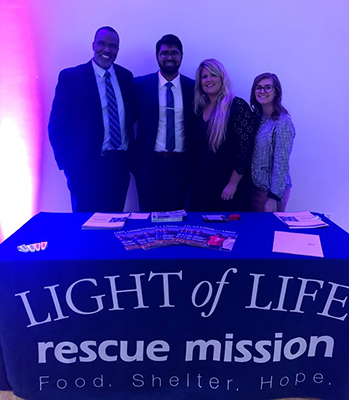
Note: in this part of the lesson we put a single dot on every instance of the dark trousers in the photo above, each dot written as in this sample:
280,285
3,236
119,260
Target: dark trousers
100,185
165,184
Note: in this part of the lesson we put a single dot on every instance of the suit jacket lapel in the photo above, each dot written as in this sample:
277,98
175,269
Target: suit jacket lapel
154,95
94,98
91,83
153,106
123,85
186,96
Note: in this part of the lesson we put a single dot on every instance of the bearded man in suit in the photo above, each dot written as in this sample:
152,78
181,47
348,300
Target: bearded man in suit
163,107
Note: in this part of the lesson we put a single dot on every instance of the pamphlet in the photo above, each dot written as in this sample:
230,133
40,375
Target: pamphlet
160,236
106,221
165,235
168,216
139,237
126,240
300,220
150,236
199,236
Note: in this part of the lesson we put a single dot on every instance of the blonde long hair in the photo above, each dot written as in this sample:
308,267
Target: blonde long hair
218,121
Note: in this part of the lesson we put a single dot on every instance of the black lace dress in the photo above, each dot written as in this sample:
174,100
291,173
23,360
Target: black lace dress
211,172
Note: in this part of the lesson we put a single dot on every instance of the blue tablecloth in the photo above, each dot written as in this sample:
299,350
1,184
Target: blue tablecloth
87,319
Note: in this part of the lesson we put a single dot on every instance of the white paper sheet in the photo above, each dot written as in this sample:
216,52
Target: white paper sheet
297,243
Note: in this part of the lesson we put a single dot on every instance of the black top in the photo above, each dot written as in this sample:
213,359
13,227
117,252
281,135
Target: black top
211,171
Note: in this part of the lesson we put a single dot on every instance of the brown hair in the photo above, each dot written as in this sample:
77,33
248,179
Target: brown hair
278,108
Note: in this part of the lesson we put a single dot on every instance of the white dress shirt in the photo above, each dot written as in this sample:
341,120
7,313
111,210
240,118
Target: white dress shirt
100,78
160,144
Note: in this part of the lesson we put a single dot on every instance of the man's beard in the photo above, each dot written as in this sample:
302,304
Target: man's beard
169,70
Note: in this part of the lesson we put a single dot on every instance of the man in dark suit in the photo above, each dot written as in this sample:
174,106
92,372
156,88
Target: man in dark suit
163,106
90,128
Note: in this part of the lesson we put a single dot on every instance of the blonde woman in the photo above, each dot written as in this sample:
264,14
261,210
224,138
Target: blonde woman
222,143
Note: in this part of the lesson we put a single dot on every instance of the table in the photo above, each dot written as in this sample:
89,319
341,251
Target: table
86,319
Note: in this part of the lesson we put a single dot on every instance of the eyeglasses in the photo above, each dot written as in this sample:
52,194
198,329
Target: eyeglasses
266,88
103,45
173,54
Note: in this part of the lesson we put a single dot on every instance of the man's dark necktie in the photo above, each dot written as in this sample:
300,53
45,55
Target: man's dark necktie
114,122
170,118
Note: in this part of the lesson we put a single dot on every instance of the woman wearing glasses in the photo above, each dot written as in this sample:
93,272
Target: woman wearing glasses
223,142
273,146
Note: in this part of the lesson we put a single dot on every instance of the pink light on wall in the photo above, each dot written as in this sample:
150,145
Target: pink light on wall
19,116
